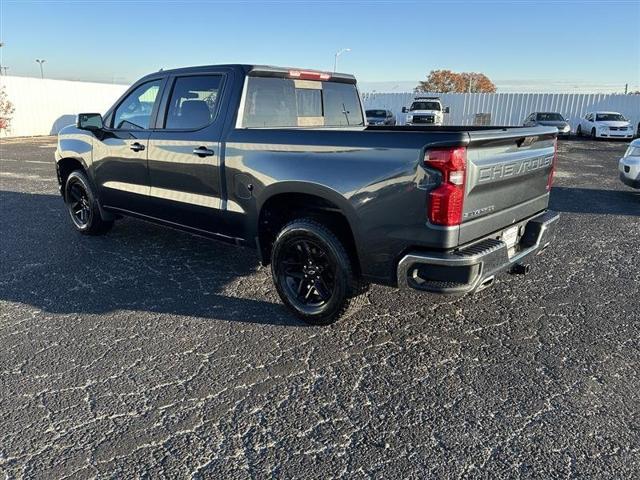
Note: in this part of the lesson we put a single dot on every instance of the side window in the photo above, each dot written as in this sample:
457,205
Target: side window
134,113
270,102
194,102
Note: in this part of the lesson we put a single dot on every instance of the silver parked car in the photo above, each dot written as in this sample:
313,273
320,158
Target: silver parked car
629,165
380,117
549,119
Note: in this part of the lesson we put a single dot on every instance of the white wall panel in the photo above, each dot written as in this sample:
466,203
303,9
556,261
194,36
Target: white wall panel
43,106
512,108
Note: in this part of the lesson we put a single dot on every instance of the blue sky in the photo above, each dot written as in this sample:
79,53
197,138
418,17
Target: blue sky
526,45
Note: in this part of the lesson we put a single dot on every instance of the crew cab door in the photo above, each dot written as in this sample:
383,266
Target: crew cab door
184,152
120,149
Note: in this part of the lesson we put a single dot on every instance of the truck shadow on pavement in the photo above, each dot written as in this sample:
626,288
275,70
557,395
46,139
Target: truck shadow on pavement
138,266
595,201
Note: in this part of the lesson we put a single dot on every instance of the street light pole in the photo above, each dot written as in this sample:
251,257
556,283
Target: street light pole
41,70
335,58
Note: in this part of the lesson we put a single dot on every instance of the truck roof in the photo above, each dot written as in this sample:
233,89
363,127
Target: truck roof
265,70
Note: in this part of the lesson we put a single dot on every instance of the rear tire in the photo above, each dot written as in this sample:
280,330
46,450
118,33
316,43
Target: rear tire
313,273
82,205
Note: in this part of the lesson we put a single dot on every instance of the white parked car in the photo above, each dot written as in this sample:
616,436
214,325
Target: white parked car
605,125
629,165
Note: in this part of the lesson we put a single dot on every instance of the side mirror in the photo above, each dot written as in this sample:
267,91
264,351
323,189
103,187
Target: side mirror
404,109
446,109
89,121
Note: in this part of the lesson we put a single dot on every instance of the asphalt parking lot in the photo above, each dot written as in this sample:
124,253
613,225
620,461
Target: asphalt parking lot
151,353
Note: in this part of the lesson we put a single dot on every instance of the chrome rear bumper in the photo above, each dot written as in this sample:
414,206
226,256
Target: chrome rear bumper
474,267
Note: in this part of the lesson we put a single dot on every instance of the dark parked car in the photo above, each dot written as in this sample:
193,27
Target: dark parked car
380,117
549,119
281,160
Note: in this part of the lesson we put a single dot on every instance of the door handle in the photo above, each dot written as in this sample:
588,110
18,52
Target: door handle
203,152
137,147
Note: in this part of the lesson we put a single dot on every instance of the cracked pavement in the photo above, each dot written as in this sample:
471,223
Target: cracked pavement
150,353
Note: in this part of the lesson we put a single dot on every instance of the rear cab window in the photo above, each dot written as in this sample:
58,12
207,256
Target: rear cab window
290,102
194,102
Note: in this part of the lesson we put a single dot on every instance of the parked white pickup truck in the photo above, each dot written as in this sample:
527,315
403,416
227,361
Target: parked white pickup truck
425,111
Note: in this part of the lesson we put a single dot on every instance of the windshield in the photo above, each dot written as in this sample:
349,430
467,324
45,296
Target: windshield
425,106
376,113
610,117
285,102
633,151
550,117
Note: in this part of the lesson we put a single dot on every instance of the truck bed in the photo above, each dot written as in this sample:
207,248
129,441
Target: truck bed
378,178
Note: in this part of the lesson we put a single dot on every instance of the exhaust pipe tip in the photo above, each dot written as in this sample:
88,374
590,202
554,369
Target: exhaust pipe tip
521,269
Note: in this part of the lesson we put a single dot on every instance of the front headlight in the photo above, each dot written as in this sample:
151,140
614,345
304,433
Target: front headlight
603,127
409,118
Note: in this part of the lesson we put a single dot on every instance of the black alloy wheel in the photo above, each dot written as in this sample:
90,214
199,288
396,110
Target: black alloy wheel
308,273
83,205
78,204
313,273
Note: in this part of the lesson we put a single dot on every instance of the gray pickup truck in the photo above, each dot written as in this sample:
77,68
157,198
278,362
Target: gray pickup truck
281,160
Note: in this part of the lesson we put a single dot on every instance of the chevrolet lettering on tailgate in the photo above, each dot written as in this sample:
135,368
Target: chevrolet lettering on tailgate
514,169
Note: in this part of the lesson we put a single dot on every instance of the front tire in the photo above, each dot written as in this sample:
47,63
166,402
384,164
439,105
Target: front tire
578,131
593,134
82,205
313,273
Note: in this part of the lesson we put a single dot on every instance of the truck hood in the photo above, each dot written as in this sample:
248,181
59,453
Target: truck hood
71,128
424,112
617,123
558,123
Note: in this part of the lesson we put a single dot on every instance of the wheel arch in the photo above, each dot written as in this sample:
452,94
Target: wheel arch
67,165
285,201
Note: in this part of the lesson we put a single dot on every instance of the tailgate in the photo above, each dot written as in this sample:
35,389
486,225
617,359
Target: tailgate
507,176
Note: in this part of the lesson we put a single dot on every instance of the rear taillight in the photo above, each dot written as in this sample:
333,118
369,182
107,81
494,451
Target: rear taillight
446,201
554,162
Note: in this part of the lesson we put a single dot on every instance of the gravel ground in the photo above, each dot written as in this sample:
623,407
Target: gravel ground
152,353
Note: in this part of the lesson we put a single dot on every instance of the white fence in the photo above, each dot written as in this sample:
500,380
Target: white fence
43,107
512,108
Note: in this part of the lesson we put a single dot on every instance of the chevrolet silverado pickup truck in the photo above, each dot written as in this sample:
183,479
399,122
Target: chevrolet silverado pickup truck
281,160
